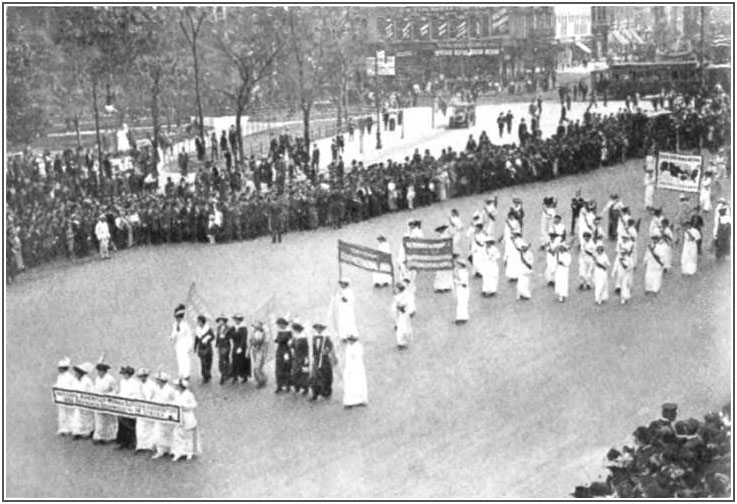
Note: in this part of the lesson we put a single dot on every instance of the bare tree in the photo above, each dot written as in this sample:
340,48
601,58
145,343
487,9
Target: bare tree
191,22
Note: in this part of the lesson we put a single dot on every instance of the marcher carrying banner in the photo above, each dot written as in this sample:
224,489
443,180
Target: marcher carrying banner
428,254
105,403
195,306
678,172
365,258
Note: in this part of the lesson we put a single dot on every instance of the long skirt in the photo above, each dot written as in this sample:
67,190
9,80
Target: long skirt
601,285
241,366
653,277
322,379
443,280
300,378
551,264
689,258
723,240
617,270
83,422
625,279
283,369
184,361
258,359
106,427
649,195
512,266
668,257
163,433
585,269
561,281
144,434
404,329
490,282
355,388
185,442
64,420
126,432
523,285
462,296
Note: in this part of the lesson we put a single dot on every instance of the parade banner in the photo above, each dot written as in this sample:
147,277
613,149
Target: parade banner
195,306
115,405
428,254
365,258
678,172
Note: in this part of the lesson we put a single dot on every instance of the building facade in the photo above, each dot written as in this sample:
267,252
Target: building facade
572,35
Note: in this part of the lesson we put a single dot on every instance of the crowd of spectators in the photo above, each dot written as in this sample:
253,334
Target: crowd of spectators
54,204
687,459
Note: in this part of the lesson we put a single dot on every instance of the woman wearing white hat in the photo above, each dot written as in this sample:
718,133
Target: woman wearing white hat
145,427
106,424
83,420
185,442
183,338
65,414
163,431
345,301
355,390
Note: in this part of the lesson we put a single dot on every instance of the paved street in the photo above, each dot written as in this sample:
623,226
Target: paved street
524,401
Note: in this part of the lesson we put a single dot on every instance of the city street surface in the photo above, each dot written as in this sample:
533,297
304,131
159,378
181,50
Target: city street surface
523,401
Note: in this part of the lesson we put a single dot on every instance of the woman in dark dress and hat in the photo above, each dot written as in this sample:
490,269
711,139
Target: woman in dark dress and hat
323,360
283,355
300,359
241,361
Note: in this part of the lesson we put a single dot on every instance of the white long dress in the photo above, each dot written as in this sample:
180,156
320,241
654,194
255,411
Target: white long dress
524,289
490,215
478,250
164,431
690,254
511,255
382,278
402,320
185,439
355,390
490,272
561,274
106,425
705,193
83,421
546,220
601,278
551,264
653,268
65,414
183,338
625,276
586,263
345,302
144,427
463,294
649,189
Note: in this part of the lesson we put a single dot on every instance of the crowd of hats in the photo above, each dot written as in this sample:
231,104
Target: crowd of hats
670,459
53,215
86,368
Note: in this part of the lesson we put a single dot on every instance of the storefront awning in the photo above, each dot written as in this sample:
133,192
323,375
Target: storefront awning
583,47
619,38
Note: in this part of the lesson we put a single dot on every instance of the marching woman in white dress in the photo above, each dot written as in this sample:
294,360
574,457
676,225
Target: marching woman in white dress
562,271
402,322
443,278
490,211
705,192
512,231
185,441
654,265
355,389
410,296
601,275
586,262
382,279
546,220
183,338
551,263
526,261
65,414
668,239
478,248
463,293
625,247
345,302
649,188
490,271
106,424
145,427
456,230
83,421
625,275
690,254
163,431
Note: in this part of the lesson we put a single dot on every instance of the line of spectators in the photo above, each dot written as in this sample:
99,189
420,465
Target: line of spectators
53,211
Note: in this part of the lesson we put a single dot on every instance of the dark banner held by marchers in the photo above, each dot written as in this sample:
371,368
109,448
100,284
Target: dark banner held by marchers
429,254
365,258
122,406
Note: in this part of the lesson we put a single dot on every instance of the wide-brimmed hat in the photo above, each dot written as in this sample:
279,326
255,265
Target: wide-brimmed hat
221,317
143,372
64,363
127,370
238,316
344,280
441,229
102,366
179,310
281,321
85,368
162,376
182,382
318,326
351,337
297,326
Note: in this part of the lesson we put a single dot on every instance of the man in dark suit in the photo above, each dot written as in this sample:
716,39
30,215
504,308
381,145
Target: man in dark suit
522,131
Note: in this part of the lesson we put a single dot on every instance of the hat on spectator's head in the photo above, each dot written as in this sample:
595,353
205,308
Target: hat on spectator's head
102,217
179,311
670,411
516,200
722,200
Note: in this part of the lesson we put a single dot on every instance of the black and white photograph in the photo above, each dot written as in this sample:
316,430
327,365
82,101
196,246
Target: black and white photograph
368,251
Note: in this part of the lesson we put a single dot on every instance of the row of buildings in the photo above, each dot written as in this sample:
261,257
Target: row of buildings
508,42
